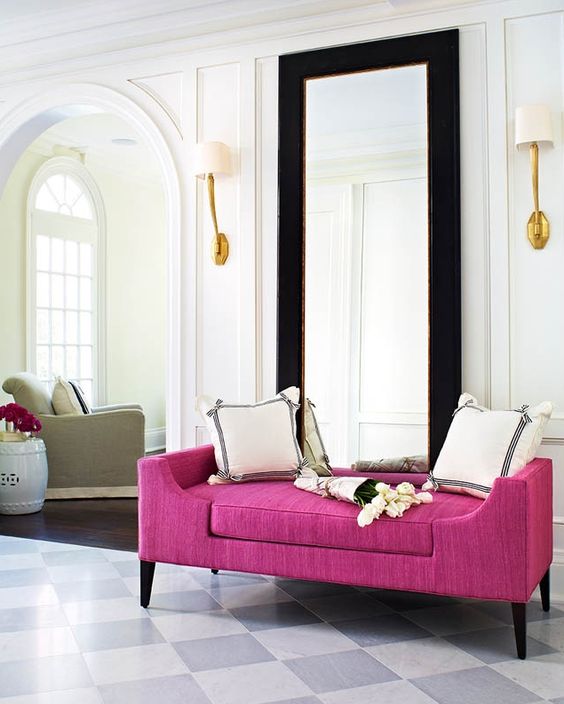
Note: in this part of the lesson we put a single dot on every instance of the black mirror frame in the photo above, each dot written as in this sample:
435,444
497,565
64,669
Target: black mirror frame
439,50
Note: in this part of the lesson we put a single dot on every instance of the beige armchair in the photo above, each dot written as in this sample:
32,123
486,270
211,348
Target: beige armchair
92,455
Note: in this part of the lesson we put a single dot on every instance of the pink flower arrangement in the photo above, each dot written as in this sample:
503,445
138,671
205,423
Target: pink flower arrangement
19,419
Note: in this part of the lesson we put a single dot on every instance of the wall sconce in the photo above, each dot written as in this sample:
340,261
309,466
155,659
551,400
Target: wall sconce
213,158
533,125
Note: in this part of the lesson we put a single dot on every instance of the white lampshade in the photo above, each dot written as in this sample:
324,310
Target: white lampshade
211,158
533,123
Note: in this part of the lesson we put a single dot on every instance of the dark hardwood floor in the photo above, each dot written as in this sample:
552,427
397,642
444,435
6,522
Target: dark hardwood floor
106,523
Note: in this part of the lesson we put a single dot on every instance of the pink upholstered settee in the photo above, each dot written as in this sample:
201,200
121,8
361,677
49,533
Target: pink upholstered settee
461,546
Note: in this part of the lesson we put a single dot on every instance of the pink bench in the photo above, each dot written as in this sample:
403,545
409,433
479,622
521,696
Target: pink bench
459,546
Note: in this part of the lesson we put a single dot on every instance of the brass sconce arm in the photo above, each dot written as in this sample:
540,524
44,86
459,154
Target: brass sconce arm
220,245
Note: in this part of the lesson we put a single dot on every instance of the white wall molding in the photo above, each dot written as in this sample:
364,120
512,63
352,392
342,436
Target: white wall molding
155,439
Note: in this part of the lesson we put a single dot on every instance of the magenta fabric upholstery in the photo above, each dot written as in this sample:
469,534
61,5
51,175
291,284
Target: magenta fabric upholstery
281,513
500,550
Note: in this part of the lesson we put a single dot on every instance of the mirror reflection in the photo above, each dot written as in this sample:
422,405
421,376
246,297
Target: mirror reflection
366,267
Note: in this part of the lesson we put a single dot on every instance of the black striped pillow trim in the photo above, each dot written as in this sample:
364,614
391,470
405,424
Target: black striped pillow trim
78,392
323,450
461,484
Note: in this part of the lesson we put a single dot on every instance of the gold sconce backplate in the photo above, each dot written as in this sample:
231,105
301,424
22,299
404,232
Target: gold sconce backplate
220,249
538,230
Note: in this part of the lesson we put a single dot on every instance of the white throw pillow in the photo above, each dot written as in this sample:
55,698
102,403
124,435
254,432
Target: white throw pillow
254,441
64,399
482,444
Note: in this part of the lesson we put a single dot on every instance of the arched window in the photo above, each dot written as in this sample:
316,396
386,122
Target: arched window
64,291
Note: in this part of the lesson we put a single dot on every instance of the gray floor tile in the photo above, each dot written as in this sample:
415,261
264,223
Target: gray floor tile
252,684
23,578
207,624
352,668
551,632
129,568
31,617
480,684
346,607
87,590
543,675
180,689
116,634
304,589
73,557
103,610
43,675
398,691
21,561
82,573
249,595
456,618
390,628
280,615
39,643
184,602
496,644
404,601
226,651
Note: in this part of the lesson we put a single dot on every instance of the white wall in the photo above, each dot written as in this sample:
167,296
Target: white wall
511,52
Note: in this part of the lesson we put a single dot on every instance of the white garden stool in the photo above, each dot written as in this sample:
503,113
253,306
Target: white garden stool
23,476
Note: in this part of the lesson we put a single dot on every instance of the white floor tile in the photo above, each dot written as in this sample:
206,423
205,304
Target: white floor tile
24,645
165,583
400,691
543,675
207,624
137,663
88,695
550,632
301,641
81,573
422,657
35,595
251,684
101,610
20,562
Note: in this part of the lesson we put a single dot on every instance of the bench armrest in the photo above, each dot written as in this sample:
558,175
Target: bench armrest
185,467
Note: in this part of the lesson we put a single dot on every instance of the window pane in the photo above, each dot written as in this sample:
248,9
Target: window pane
73,192
42,252
42,328
82,209
71,292
57,255
42,292
64,209
57,185
57,327
71,257
85,361
57,360
45,200
85,293
85,328
86,259
86,386
42,358
71,331
57,291
72,362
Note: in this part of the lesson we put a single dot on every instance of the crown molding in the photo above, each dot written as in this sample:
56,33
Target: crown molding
109,32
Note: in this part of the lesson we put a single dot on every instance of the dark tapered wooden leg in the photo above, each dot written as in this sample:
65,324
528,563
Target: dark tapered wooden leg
520,626
214,571
147,574
545,591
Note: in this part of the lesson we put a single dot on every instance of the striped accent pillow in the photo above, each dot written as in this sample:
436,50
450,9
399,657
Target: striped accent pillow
482,445
254,441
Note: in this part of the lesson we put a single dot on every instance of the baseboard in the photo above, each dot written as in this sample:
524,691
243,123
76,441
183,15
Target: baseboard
155,439
93,492
557,577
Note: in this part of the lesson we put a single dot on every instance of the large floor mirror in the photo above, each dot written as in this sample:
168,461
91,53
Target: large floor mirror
369,230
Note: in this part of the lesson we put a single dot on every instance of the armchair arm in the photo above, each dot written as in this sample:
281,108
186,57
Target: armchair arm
117,407
508,538
94,450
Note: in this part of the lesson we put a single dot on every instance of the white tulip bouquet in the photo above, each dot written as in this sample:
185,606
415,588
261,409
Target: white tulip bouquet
374,498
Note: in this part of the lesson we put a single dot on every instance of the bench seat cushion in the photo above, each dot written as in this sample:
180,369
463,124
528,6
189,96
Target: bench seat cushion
278,512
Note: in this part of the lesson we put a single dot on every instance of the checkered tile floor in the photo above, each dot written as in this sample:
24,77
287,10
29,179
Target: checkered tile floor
72,632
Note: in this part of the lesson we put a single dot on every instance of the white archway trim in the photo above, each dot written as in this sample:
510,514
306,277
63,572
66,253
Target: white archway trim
34,115
72,167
